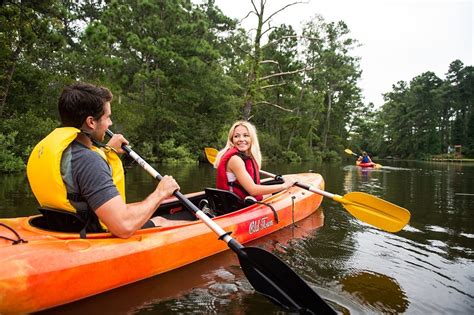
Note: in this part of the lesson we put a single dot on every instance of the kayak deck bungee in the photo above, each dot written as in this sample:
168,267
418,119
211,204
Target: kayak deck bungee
55,268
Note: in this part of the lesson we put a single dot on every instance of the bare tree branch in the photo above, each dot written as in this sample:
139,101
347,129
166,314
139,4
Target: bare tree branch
275,105
254,7
281,9
285,73
248,14
271,85
268,29
281,39
274,62
270,61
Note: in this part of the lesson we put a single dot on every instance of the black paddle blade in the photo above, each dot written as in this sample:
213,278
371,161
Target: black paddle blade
273,278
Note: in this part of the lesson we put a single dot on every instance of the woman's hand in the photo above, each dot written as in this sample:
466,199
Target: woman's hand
288,182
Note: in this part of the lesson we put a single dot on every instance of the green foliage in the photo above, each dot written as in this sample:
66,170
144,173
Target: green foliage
29,128
290,156
30,33
146,151
182,73
317,157
270,146
166,67
170,153
9,162
335,75
422,118
331,156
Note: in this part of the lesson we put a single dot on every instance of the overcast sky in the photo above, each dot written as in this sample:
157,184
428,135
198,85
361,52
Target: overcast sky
400,38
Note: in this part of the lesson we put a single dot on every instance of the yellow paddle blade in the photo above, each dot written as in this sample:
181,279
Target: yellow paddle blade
375,211
350,152
211,154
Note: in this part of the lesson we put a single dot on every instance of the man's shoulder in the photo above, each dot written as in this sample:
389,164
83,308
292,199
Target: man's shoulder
82,153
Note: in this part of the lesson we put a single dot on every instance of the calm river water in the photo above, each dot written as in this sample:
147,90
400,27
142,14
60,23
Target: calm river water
426,268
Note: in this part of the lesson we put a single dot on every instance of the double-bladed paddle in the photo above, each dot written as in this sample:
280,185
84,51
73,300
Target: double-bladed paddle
367,208
266,273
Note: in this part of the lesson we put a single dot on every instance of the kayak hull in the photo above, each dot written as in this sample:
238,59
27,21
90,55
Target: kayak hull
55,268
368,165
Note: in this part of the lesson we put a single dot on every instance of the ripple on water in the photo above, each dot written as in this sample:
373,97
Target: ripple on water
424,265
224,275
223,289
436,228
467,235
409,228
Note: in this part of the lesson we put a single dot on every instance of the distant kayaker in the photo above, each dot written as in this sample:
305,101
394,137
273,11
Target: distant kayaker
238,164
68,171
365,158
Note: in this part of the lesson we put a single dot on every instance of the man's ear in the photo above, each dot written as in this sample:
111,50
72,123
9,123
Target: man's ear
90,122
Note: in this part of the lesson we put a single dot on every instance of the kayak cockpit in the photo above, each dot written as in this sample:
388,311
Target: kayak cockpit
55,220
214,202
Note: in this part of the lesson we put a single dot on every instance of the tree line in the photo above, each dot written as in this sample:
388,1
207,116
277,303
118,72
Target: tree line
422,118
182,72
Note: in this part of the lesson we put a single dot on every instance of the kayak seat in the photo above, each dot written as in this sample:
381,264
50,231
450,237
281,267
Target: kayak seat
223,201
59,220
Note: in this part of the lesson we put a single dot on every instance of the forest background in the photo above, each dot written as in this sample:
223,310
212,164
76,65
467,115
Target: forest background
182,73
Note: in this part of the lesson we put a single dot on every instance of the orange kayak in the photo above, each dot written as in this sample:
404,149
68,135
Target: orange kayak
55,268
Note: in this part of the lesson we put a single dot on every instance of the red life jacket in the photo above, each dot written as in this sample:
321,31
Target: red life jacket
251,167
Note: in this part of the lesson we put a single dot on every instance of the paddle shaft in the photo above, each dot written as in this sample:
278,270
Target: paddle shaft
304,186
189,205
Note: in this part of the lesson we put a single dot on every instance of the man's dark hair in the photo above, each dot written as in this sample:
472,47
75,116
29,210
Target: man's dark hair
80,100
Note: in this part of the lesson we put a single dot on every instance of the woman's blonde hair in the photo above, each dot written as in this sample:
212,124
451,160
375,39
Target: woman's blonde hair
254,146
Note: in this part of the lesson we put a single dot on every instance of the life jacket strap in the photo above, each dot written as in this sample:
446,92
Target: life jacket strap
96,142
92,223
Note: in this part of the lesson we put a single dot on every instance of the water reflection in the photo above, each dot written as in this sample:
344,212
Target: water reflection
381,292
16,198
190,177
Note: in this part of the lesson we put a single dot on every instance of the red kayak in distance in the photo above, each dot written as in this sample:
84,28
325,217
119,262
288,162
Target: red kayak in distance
370,164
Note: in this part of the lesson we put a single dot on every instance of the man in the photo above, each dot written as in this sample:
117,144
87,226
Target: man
67,171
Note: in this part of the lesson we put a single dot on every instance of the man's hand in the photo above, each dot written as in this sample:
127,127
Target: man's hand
167,186
116,142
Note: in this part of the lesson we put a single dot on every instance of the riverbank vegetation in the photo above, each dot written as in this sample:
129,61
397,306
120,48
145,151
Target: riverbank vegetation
181,73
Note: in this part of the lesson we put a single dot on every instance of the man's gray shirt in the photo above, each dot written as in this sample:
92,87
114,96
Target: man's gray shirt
87,174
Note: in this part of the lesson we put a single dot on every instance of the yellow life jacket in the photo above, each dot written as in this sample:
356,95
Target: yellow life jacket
44,169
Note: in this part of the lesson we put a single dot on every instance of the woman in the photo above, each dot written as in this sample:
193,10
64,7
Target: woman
238,164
